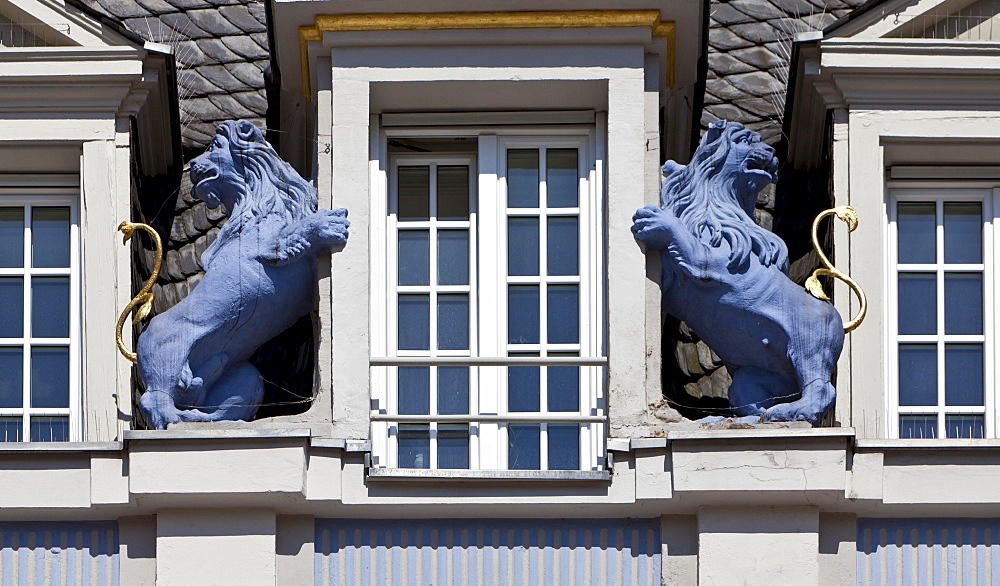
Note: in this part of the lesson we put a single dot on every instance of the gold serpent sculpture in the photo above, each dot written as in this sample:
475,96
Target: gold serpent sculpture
850,217
144,299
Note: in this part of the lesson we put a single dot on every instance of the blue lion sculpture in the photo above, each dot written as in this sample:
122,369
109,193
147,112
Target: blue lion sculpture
260,275
725,276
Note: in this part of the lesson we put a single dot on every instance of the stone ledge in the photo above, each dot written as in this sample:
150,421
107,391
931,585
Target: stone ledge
926,444
61,447
760,432
415,474
193,434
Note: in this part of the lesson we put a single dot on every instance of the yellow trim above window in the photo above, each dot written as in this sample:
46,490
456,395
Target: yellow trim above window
485,20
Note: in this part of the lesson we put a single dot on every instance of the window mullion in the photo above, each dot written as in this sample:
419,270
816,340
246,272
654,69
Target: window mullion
939,287
491,258
26,316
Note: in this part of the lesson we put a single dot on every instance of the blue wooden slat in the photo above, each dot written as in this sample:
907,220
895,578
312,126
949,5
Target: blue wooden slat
47,552
529,551
928,551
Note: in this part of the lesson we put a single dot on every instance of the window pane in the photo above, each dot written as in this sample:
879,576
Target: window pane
453,322
50,237
414,257
522,178
963,374
414,390
11,237
522,246
414,192
562,180
963,303
453,446
917,239
50,377
564,388
564,447
564,314
414,322
453,257
50,307
563,246
522,314
10,429
917,426
11,378
453,192
917,374
414,446
963,232
524,447
917,303
50,429
453,390
967,426
523,389
11,307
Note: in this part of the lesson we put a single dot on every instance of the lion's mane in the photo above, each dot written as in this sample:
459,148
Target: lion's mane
702,195
273,188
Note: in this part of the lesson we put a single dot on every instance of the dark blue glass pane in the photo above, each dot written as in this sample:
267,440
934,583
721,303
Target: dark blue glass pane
414,193
50,237
453,257
414,322
453,192
453,322
963,303
11,237
963,232
49,429
11,307
562,179
50,377
523,389
564,314
917,303
964,426
522,246
917,426
522,178
564,388
522,314
564,447
563,246
50,307
414,390
917,374
524,447
414,445
414,257
11,378
453,446
11,429
916,225
963,374
453,390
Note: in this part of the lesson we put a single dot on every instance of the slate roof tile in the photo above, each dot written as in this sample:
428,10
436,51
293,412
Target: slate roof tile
763,107
202,110
728,63
723,38
247,73
211,21
255,100
723,89
757,83
244,46
156,6
190,4
122,9
183,26
219,76
191,82
240,16
215,50
758,10
726,14
756,32
233,108
758,57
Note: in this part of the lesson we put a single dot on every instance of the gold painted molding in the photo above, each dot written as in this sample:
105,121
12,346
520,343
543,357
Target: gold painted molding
484,20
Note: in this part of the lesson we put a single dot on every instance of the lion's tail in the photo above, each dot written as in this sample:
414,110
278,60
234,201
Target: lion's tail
850,217
144,299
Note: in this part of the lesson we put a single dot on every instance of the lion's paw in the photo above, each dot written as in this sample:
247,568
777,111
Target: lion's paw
651,227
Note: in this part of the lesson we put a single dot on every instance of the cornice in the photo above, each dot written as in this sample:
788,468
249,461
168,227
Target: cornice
548,19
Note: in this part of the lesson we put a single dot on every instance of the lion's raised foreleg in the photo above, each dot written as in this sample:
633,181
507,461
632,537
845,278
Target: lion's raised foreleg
658,229
320,230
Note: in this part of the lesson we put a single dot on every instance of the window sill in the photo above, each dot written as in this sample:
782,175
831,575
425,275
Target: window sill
926,444
63,447
415,474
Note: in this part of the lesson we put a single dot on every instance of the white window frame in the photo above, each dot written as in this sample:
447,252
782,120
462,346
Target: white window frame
29,197
942,192
488,396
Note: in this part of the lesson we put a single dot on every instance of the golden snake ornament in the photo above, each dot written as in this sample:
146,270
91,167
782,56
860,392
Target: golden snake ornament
144,299
850,217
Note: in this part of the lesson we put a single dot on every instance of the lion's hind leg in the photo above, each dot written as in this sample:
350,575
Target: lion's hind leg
236,395
818,398
755,389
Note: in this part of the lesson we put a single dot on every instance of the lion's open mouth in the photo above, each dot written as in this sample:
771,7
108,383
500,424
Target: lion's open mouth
759,163
199,174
